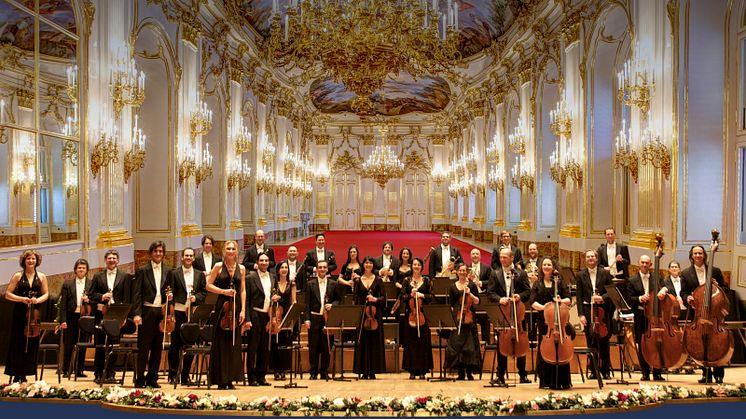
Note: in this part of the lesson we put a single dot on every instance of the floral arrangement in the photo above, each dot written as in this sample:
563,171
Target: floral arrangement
349,406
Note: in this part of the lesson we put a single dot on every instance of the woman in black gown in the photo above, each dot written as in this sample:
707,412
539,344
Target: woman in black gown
418,351
556,377
462,352
404,271
227,279
369,350
279,359
351,270
26,288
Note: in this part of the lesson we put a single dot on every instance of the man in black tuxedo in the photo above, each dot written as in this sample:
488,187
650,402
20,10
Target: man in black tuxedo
613,256
251,256
206,260
694,276
480,274
591,286
498,290
532,262
638,292
386,264
677,286
189,290
110,286
148,295
320,253
73,297
296,269
505,241
259,287
316,306
444,255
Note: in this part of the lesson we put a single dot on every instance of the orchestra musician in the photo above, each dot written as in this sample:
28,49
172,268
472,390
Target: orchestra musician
556,377
369,357
480,274
321,294
27,288
296,269
110,286
148,295
227,280
189,290
285,287
613,256
385,266
404,269
638,293
531,263
319,253
498,288
351,270
462,352
259,247
506,241
694,276
591,285
206,259
418,352
676,286
259,286
444,256
73,297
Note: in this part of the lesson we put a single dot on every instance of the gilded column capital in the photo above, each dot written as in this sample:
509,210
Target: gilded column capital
89,12
191,29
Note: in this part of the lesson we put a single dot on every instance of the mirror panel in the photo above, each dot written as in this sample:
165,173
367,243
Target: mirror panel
17,64
58,189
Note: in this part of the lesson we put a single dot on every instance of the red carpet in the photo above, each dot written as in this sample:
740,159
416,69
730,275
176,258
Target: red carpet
371,242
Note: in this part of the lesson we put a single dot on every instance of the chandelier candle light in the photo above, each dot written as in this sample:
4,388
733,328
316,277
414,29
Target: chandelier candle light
636,82
127,85
200,122
383,164
653,150
242,139
134,159
72,82
517,140
239,174
204,168
495,179
493,151
624,154
106,149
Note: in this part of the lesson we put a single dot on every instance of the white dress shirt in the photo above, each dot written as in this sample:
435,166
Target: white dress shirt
592,275
701,274
267,287
645,282
320,254
111,276
386,261
189,282
207,257
611,257
508,275
475,269
292,268
259,249
79,290
322,293
157,276
445,256
677,287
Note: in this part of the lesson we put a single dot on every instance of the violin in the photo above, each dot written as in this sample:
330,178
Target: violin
168,323
85,308
275,315
33,320
706,340
370,322
416,317
556,348
661,344
515,342
465,315
599,325
228,318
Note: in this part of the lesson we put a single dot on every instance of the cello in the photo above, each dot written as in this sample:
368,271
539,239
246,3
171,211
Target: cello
705,339
516,342
661,344
556,348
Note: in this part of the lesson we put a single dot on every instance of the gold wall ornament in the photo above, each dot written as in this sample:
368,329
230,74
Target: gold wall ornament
200,120
134,159
70,152
236,71
242,139
438,175
187,163
414,161
360,43
654,152
517,140
265,181
89,12
522,176
438,139
636,83
191,29
560,118
239,174
625,156
126,83
203,170
346,162
104,152
321,139
25,99
495,179
493,150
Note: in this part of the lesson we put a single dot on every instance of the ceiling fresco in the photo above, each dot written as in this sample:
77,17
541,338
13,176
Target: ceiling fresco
17,28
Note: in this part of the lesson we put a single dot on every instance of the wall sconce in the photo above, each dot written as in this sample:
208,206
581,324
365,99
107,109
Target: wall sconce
200,120
517,140
188,162
71,185
471,160
204,168
636,82
265,181
106,149
127,85
655,152
480,187
3,135
24,167
239,174
297,188
493,151
72,82
283,185
521,175
560,118
134,158
308,189
563,166
453,190
624,155
470,184
70,152
268,152
242,139
495,179
322,175
438,175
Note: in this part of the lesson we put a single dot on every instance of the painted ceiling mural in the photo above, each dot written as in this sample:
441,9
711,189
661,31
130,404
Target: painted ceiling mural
17,28
480,22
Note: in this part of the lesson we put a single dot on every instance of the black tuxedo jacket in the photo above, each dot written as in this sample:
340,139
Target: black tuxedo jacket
584,289
689,275
255,291
122,291
310,261
69,297
497,287
300,273
623,266
635,290
252,255
517,259
378,265
485,274
178,285
199,262
685,291
144,287
314,301
436,262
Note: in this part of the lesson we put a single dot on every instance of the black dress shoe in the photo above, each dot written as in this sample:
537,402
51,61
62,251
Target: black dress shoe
525,380
372,377
81,375
411,376
263,383
253,384
230,386
66,375
591,376
422,376
469,376
153,384
186,381
645,378
719,380
499,381
658,378
704,380
138,384
313,377
324,376
606,376
461,377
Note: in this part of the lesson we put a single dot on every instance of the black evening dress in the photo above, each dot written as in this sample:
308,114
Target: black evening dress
279,356
463,350
418,350
21,361
226,365
369,349
556,377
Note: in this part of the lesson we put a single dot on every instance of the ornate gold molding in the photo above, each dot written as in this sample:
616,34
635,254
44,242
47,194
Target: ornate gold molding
478,220
570,230
261,222
643,239
571,29
114,238
346,162
235,224
25,223
438,140
191,29
499,222
321,139
190,230
415,161
525,225
89,12
236,73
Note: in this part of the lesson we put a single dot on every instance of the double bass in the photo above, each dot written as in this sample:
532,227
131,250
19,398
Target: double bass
661,344
556,348
705,339
514,340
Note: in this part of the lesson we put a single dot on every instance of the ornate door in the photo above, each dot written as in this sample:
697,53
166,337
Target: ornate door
345,202
416,208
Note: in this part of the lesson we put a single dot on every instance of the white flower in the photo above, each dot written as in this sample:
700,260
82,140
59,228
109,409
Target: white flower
339,403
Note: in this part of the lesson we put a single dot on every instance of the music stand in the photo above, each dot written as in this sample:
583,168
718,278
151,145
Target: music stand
202,313
496,316
439,317
441,285
343,318
391,293
616,297
288,323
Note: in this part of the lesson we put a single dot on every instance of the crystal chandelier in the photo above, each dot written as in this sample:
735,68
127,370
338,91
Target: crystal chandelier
517,140
636,82
560,118
200,121
382,164
242,139
493,150
361,43
127,85
625,155
239,174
